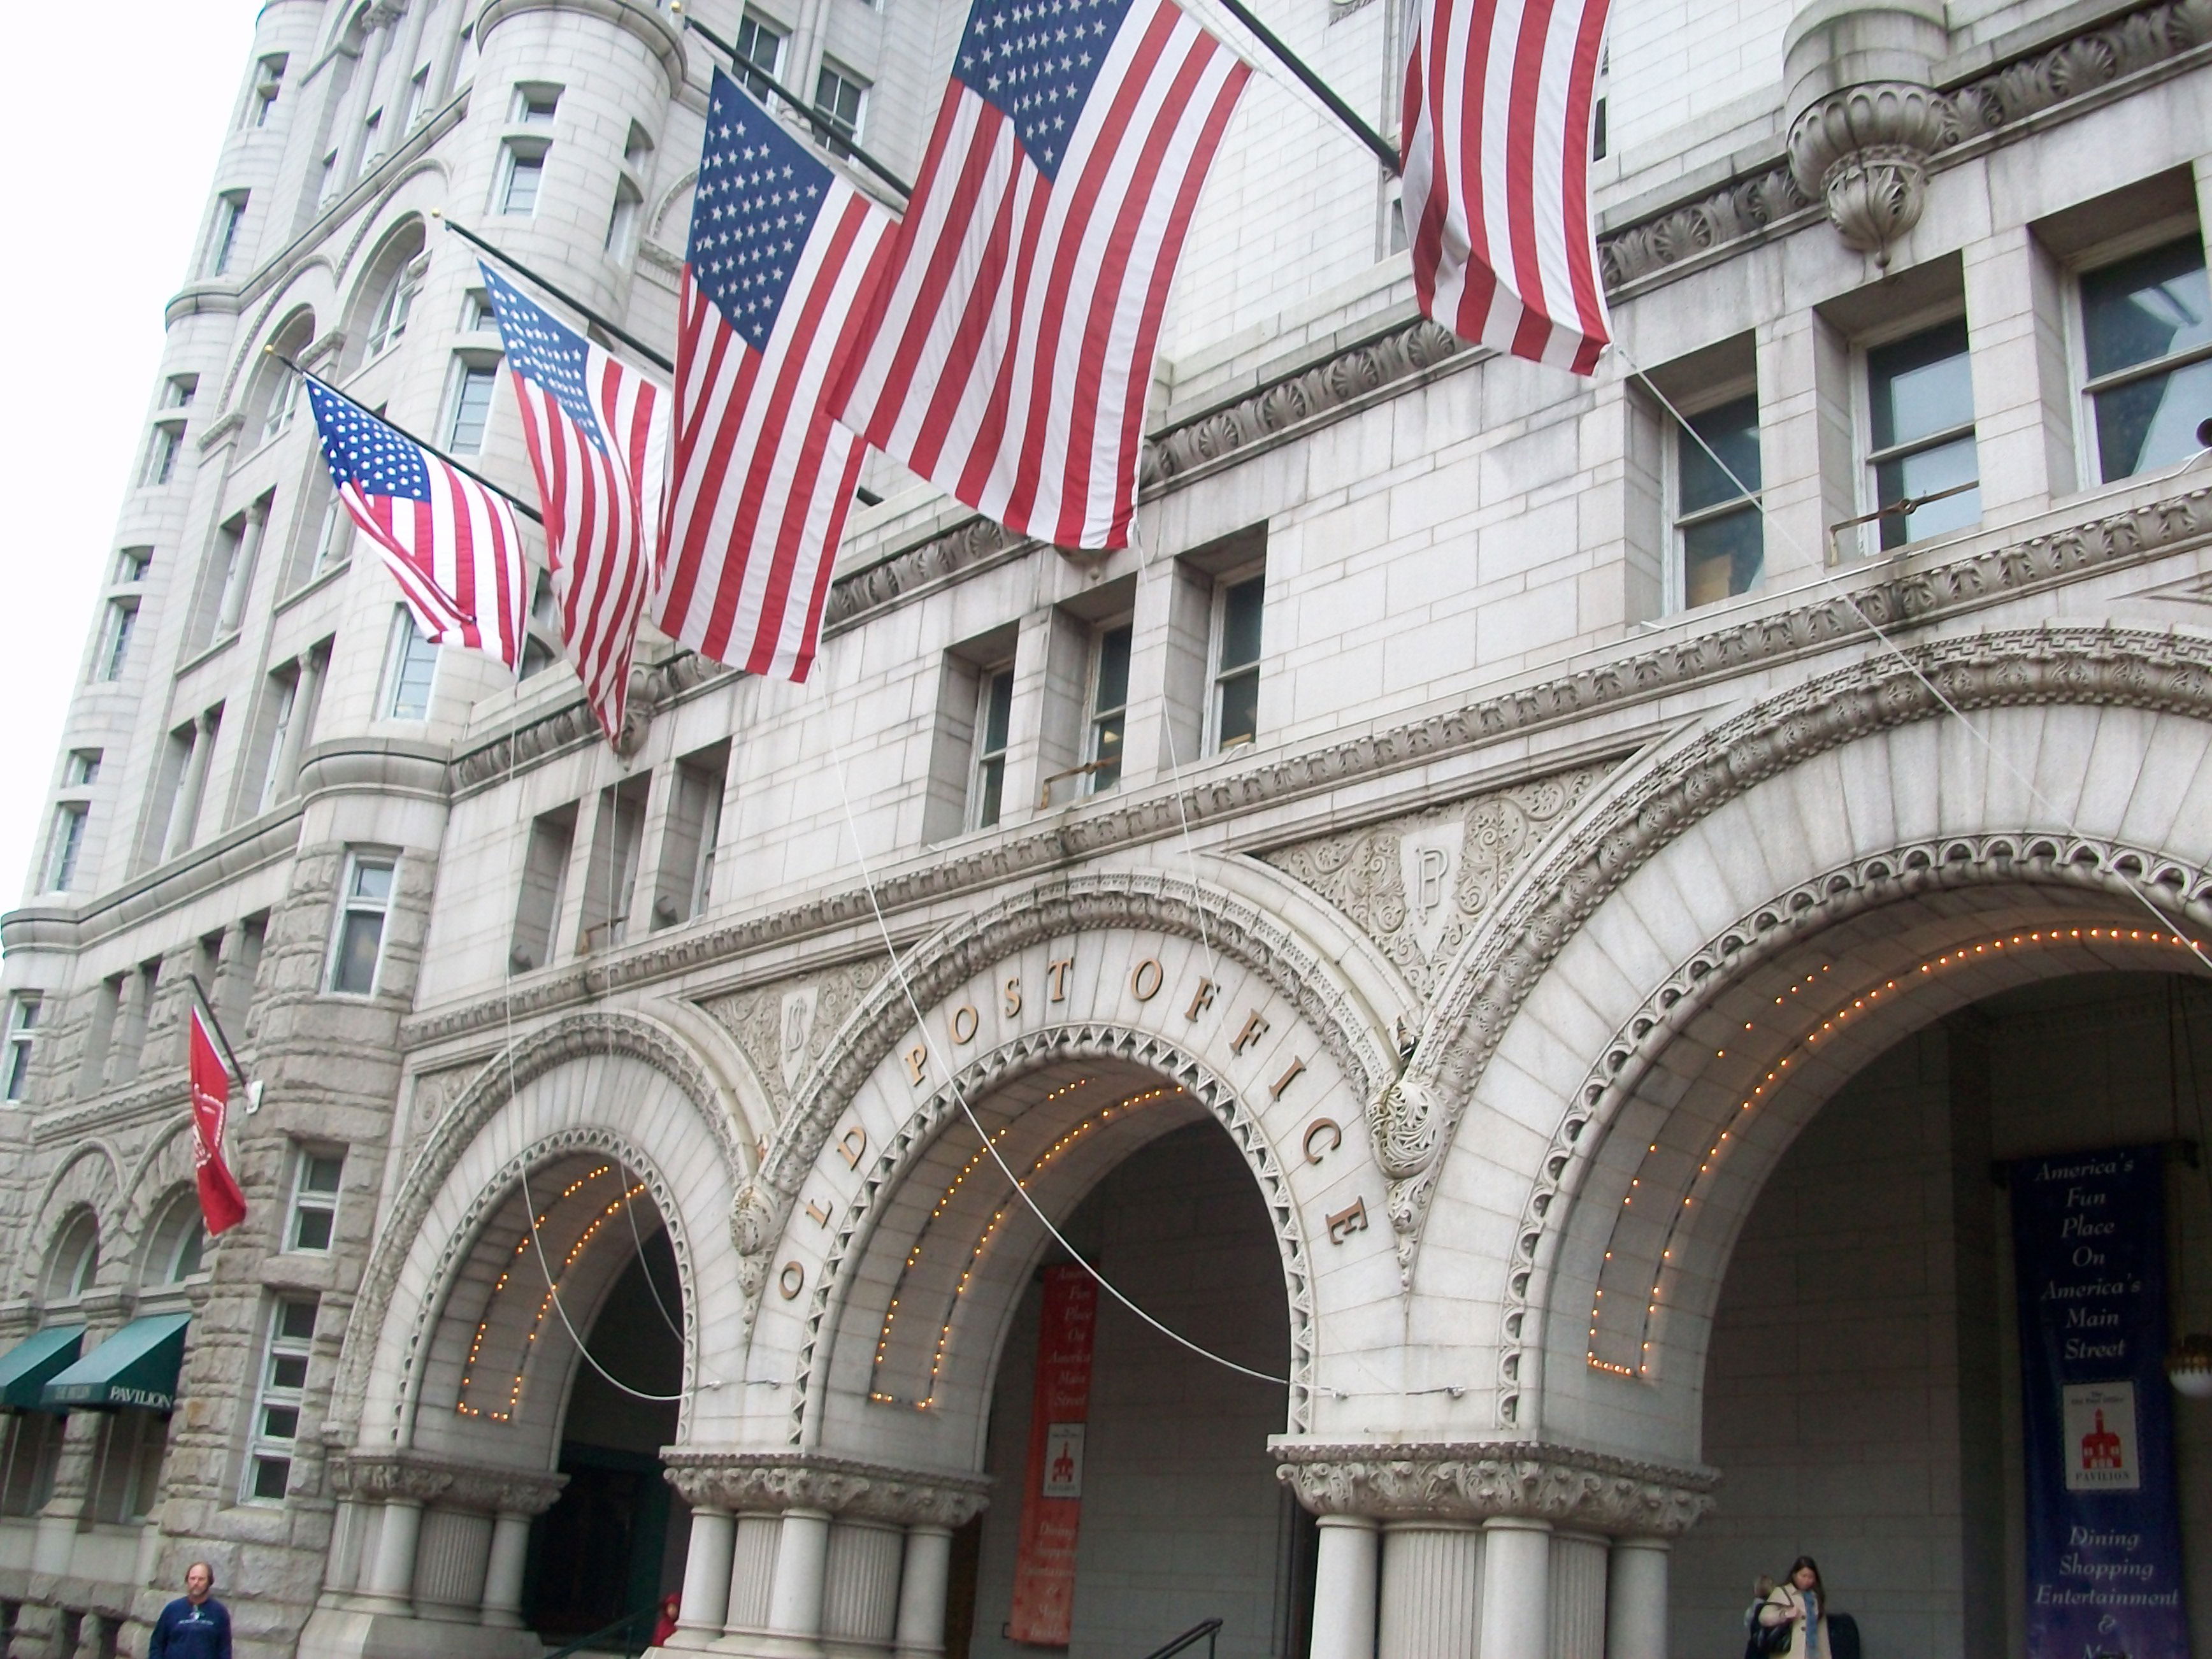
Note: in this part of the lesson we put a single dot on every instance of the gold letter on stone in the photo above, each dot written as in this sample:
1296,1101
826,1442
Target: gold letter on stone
1202,1001
1059,972
821,1215
1348,1221
1256,1027
917,1058
791,1280
1315,1131
852,1145
1286,1079
1144,983
965,1021
1013,998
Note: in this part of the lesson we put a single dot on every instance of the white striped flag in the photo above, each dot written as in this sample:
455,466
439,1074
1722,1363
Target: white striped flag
598,437
452,543
1011,345
1495,143
783,258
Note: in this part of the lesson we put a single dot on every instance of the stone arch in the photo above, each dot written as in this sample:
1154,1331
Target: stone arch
375,226
88,1179
303,287
164,1169
439,1204
1616,1032
402,243
1650,808
853,1228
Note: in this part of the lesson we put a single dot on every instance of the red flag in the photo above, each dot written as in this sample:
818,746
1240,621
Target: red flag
1052,1491
221,1204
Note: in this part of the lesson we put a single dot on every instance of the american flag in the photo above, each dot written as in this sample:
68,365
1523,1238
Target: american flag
452,543
1496,141
597,439
1012,347
784,255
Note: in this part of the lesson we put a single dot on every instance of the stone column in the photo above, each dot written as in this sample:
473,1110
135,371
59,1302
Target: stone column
802,1560
1636,1599
1577,1613
752,1570
1346,1576
923,1581
1516,1603
502,1591
391,1574
1432,1601
342,1570
860,1583
706,1601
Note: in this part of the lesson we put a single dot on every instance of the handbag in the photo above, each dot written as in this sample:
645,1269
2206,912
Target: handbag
1772,1638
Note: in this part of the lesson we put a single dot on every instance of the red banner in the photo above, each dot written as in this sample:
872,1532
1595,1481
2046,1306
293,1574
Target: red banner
222,1203
1052,1492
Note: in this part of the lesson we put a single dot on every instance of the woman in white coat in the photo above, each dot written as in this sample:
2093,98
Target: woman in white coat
1800,1602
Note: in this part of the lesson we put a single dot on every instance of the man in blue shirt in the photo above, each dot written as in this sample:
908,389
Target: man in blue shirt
195,1625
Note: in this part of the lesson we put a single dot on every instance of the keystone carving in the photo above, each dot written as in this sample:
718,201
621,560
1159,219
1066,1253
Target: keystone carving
1864,151
757,1482
1486,1480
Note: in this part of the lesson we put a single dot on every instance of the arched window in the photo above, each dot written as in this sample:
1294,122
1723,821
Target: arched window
394,278
74,1262
278,394
174,1245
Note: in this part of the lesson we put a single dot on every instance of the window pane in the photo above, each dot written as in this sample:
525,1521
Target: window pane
1240,622
418,666
1113,669
295,1323
2145,307
280,1422
189,1253
1106,753
321,1174
471,407
993,781
356,972
1722,556
1239,709
522,179
1920,385
287,1371
1732,431
2152,422
372,881
998,712
1924,474
311,1230
271,1476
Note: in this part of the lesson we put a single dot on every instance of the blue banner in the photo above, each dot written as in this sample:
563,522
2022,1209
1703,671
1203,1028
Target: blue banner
2103,1523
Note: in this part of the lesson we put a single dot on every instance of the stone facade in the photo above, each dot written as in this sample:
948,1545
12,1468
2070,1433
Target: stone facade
1476,944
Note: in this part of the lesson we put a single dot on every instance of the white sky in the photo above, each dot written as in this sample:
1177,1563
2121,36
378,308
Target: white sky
114,122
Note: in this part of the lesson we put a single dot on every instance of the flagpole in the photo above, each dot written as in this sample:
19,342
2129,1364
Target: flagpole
742,69
1385,151
230,1058
558,293
512,501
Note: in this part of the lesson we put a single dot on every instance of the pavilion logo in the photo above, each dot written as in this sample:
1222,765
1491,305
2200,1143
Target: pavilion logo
2100,1453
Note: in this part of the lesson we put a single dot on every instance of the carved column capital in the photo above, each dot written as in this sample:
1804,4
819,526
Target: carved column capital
1482,1480
741,1481
380,1477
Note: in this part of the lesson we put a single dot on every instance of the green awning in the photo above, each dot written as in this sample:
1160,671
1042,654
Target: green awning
136,1366
26,1368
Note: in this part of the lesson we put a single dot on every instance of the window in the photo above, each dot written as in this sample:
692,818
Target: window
372,141
283,701
1109,706
283,398
179,391
476,311
1598,102
127,1466
81,770
127,1047
622,222
637,149
229,216
283,1381
841,95
472,408
418,95
162,454
1236,705
22,1033
333,539
391,310
178,1242
132,563
115,639
315,1177
92,1060
610,873
760,43
359,940
541,645
67,840
268,82
2146,334
520,174
327,190
534,106
987,786
1719,535
33,1441
409,673
687,848
1921,408
545,875
75,1262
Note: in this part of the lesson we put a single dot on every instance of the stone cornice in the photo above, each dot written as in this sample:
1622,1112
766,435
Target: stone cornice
766,1482
1825,621
664,43
381,1476
1483,1480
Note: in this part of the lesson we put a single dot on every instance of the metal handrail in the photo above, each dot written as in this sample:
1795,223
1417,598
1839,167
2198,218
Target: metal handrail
624,1623
1209,1629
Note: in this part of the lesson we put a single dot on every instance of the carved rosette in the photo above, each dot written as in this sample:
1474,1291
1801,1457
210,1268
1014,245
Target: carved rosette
380,1477
756,1482
1483,1480
1864,151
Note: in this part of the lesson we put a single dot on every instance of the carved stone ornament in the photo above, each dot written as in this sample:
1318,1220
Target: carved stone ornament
1480,1481
785,1028
378,1477
742,1482
1864,150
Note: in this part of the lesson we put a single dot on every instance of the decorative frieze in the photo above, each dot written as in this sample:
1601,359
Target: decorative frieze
1483,1480
382,1477
745,1482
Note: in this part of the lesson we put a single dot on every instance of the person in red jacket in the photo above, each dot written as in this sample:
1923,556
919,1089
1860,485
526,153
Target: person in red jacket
667,1627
